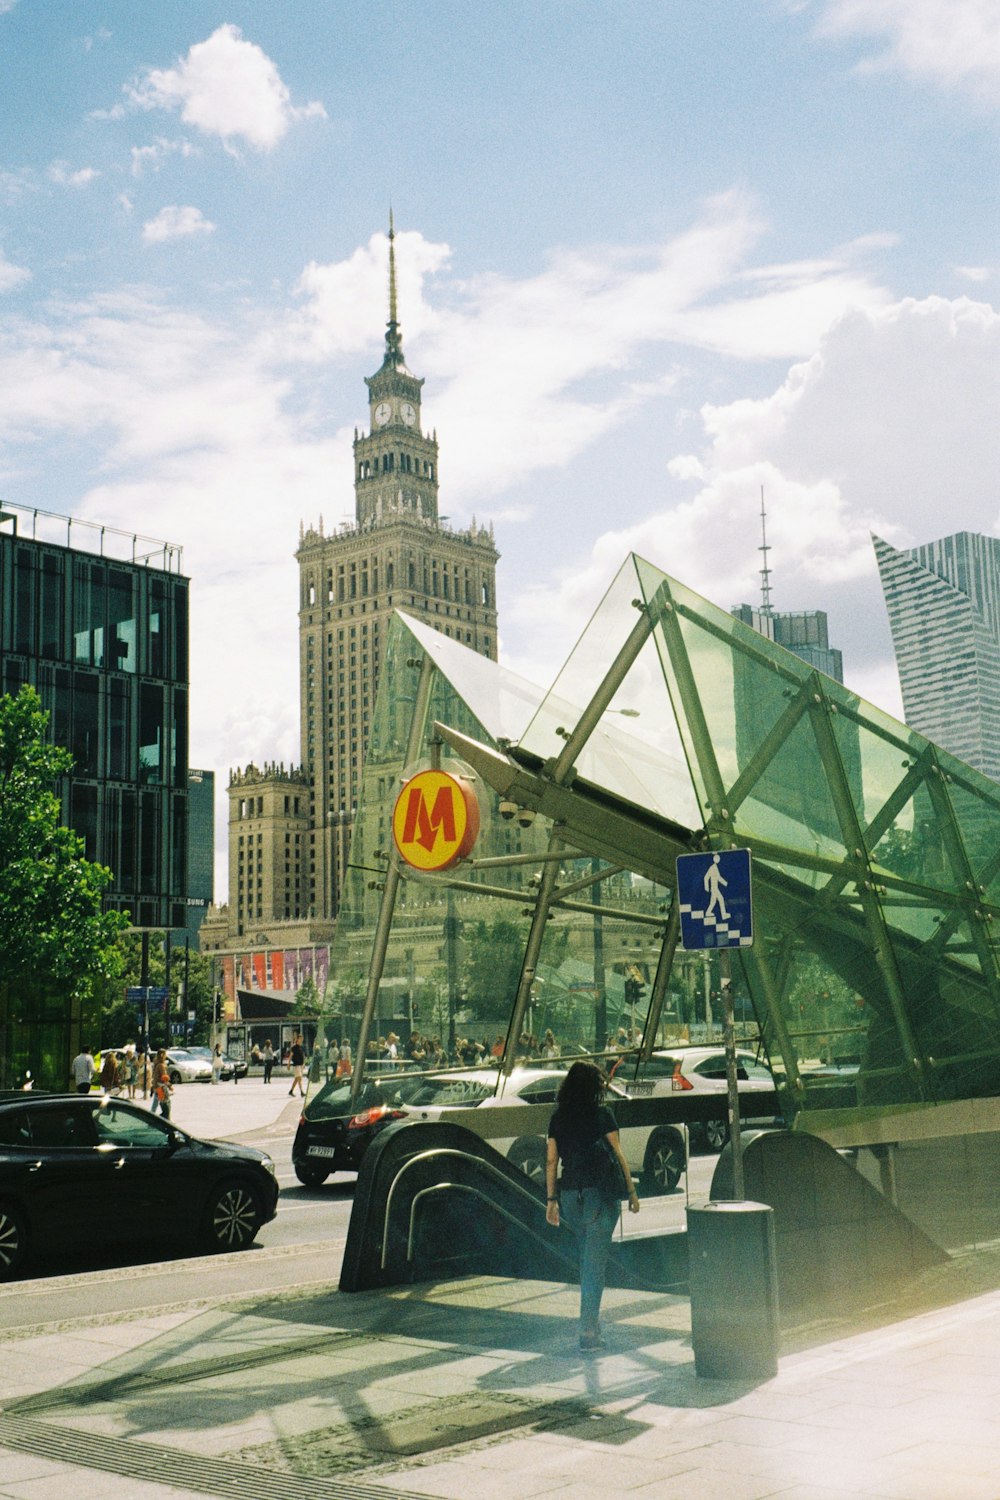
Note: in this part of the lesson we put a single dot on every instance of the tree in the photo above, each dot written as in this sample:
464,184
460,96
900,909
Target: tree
307,1001
120,1020
493,967
58,946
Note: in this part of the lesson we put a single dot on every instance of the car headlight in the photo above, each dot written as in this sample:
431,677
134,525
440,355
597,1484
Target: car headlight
268,1164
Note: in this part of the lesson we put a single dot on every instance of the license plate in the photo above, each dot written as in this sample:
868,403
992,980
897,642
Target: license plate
322,1151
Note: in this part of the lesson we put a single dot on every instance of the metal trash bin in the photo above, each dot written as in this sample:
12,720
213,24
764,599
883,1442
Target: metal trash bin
734,1291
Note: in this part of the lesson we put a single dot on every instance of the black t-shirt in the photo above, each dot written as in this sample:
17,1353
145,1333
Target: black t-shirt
298,1056
575,1136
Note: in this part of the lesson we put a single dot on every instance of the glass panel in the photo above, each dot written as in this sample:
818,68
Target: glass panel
86,746
151,727
121,621
51,603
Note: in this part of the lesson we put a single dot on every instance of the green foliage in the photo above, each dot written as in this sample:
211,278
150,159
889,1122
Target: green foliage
495,951
53,930
119,1023
307,1001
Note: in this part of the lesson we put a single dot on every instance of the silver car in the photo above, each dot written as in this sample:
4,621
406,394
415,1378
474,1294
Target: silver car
184,1067
699,1070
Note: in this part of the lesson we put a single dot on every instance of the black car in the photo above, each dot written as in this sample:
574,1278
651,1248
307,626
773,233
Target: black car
92,1170
334,1130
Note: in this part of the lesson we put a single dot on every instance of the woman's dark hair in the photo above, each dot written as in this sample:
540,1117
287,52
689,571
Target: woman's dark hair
581,1089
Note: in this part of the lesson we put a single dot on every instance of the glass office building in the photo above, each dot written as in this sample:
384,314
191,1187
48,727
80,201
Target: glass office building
943,601
97,621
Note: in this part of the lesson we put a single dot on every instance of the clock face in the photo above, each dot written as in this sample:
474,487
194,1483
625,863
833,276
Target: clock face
408,413
382,413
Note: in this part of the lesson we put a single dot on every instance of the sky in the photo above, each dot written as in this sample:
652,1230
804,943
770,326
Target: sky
651,260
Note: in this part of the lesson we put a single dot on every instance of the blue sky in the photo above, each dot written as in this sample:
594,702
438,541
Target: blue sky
651,258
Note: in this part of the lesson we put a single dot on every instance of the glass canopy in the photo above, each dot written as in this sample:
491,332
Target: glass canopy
873,980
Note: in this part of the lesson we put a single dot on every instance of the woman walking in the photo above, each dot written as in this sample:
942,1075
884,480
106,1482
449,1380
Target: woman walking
581,1122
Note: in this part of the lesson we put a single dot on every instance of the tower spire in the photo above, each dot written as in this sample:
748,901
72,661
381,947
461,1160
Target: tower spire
393,339
765,572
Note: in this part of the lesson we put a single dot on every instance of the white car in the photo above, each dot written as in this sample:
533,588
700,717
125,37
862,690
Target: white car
701,1070
184,1067
656,1154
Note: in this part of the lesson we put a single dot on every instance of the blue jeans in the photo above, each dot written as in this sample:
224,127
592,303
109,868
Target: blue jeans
593,1220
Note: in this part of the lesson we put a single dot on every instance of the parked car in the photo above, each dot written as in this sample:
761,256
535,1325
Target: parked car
93,1170
184,1067
699,1070
334,1133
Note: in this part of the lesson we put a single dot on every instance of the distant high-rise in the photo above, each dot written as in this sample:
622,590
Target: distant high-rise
200,848
797,787
943,600
802,631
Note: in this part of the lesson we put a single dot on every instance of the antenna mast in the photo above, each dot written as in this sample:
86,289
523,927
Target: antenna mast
765,572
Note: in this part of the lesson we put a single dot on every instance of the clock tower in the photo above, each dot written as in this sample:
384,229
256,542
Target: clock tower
395,464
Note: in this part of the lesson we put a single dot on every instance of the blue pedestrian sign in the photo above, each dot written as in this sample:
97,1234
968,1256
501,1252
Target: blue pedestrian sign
714,894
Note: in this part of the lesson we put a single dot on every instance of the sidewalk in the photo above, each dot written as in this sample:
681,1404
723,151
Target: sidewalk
231,1109
476,1388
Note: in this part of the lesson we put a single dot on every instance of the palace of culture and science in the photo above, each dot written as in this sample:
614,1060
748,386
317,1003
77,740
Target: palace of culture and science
290,829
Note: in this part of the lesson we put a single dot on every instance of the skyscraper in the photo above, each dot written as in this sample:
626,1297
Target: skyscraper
398,554
290,829
943,600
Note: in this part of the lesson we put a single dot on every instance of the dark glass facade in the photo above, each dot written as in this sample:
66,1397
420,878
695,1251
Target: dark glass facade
105,643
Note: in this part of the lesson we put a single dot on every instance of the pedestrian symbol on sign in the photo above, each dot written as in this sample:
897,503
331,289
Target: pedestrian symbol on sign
713,891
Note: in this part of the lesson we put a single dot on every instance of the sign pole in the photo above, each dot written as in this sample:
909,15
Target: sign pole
715,901
732,1083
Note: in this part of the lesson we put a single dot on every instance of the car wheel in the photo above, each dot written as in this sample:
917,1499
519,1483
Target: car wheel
13,1241
664,1161
528,1155
312,1176
232,1218
174,1076
716,1134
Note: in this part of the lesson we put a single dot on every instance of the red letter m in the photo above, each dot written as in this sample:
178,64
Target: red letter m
421,826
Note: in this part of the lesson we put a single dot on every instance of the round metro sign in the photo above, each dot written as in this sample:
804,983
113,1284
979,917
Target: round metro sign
435,822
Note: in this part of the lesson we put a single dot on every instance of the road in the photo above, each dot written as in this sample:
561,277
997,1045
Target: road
303,1245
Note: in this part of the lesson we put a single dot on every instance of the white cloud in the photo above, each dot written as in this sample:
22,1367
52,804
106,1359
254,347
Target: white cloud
11,275
226,87
152,157
344,302
890,426
528,373
955,43
176,223
976,274
186,427
60,173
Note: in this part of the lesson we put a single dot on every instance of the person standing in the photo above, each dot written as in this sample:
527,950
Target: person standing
131,1069
344,1064
109,1072
297,1058
216,1063
83,1071
268,1059
582,1121
162,1087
